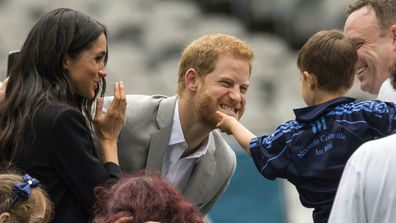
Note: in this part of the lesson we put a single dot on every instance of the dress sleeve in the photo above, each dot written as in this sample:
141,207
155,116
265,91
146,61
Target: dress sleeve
271,153
75,157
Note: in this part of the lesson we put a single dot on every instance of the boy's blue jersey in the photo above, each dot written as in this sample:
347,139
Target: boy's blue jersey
312,150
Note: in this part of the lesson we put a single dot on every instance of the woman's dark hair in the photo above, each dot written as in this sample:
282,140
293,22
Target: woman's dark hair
145,198
38,78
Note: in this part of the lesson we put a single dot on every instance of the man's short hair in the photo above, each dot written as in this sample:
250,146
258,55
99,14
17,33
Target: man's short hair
331,57
202,54
385,10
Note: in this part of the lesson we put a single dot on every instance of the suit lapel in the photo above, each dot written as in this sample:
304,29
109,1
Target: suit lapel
160,139
197,190
158,146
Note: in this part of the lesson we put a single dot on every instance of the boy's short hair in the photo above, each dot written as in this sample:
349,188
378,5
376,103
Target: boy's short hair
202,54
331,57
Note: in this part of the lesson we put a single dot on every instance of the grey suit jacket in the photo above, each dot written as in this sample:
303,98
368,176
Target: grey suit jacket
143,142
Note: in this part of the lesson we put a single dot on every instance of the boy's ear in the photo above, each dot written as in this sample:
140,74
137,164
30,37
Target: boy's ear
310,78
305,75
191,79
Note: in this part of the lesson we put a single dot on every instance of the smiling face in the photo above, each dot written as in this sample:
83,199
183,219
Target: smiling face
375,55
224,89
87,69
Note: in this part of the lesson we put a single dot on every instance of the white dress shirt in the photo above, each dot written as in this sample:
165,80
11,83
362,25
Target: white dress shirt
387,93
178,170
367,191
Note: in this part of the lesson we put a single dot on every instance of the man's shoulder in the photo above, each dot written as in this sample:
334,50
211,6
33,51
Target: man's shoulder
375,146
142,102
139,98
387,92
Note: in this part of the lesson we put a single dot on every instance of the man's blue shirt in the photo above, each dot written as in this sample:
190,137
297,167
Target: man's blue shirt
312,150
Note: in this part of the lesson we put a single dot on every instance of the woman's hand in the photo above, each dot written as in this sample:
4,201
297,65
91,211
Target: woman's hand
108,126
130,219
3,88
124,220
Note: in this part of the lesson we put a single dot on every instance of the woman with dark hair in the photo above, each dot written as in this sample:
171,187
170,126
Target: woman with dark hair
143,198
47,117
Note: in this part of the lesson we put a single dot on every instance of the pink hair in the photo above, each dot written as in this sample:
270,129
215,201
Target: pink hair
145,198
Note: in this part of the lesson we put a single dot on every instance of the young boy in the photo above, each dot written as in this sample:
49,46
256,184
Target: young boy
312,150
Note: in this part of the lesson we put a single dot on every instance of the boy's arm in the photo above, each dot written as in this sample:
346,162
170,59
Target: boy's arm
230,125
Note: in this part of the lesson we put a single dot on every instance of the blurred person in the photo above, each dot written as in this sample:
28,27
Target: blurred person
176,135
372,23
142,198
22,200
367,191
312,150
46,119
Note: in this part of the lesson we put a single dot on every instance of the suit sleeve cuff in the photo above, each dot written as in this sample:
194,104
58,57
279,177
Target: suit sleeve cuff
112,169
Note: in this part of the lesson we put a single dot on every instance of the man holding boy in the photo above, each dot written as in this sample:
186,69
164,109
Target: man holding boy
364,193
176,135
312,150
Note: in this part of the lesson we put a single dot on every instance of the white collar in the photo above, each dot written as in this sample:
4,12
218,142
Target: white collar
177,135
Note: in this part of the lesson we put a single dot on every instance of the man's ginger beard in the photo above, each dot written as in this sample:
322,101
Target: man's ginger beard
206,109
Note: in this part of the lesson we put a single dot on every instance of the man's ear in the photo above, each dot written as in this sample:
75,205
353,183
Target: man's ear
311,79
393,30
191,79
4,217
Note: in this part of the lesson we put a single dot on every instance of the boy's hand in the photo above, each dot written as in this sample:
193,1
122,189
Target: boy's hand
225,122
230,125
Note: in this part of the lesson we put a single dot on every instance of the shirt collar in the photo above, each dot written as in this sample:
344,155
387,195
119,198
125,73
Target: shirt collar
311,113
203,148
177,135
